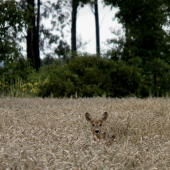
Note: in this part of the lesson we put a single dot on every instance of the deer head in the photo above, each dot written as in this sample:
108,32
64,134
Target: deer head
96,124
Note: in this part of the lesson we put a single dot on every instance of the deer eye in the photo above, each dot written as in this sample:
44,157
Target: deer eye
92,124
100,125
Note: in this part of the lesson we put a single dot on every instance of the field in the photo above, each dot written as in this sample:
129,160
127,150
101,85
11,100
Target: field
54,134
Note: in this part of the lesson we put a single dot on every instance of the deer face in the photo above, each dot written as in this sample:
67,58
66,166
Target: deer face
96,125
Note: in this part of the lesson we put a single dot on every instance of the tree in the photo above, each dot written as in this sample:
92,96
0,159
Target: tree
73,26
53,37
37,39
143,22
145,37
97,28
33,35
75,4
11,25
61,11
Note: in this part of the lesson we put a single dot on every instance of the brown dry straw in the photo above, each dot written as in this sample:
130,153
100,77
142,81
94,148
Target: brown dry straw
54,134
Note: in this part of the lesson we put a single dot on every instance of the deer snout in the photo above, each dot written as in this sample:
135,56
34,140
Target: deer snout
96,131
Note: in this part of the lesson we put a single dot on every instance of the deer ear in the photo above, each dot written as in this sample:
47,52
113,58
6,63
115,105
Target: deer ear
88,117
104,116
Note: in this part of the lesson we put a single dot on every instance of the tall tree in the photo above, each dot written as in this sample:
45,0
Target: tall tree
32,35
143,22
37,39
73,26
97,27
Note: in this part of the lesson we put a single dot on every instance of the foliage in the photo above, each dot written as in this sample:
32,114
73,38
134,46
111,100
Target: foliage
155,79
143,22
146,37
47,60
93,76
11,24
13,74
88,76
53,37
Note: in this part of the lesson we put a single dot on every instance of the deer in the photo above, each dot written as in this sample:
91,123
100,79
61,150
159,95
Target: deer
96,124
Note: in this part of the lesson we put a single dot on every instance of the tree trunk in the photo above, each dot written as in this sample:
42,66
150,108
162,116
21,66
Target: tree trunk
73,29
37,49
33,36
97,28
30,32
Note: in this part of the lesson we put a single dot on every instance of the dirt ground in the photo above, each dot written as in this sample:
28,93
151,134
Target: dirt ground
54,134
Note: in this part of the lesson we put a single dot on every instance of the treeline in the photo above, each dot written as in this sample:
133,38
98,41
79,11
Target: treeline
94,76
136,64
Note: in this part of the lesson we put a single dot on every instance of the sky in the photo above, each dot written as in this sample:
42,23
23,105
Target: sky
86,26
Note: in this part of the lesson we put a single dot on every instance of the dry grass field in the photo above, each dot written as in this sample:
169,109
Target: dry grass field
53,134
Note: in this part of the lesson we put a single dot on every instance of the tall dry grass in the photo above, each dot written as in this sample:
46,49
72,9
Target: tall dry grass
54,134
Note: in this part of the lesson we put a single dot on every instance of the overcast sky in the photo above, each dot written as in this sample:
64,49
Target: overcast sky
86,26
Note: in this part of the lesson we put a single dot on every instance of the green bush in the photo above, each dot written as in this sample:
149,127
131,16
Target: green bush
88,76
155,80
14,72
